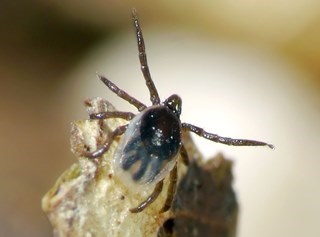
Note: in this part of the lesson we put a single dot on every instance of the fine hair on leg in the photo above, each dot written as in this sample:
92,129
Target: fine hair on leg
225,140
154,96
112,114
122,94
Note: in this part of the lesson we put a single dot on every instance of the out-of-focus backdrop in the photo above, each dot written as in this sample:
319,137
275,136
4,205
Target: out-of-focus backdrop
245,69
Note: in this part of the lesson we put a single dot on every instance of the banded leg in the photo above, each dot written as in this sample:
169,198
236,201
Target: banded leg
157,190
105,147
225,140
112,114
154,96
122,94
171,189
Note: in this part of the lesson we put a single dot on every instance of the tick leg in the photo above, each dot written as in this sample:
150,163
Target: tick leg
225,140
157,190
184,155
171,189
112,114
154,96
99,152
122,94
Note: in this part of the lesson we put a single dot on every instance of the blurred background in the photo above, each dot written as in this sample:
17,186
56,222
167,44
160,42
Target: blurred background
245,69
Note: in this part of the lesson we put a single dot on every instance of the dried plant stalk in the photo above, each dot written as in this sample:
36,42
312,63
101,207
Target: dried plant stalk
89,200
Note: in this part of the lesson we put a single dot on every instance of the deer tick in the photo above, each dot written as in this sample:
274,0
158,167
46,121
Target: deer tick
151,141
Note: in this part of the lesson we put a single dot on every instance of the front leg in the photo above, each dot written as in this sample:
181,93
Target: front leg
112,114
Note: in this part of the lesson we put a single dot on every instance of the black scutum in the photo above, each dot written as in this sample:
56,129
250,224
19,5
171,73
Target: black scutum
160,133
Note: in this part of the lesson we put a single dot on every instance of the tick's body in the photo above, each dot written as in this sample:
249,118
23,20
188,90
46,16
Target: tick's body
151,141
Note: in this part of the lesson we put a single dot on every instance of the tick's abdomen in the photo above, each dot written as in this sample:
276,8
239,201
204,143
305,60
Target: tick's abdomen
148,148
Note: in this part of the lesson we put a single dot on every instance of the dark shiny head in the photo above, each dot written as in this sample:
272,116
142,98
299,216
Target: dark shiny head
174,103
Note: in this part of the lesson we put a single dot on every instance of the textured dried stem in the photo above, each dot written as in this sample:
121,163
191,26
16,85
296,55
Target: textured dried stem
89,200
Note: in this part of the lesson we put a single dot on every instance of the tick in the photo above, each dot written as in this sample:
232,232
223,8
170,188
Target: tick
151,141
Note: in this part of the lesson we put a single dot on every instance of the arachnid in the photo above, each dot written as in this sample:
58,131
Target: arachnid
152,139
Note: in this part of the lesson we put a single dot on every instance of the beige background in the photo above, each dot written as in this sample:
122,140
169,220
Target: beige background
244,69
